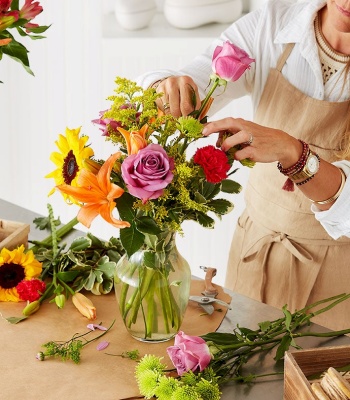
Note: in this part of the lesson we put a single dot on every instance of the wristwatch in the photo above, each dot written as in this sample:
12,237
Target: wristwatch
311,167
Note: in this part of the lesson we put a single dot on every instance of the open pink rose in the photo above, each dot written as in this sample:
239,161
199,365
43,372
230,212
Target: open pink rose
229,61
148,172
189,353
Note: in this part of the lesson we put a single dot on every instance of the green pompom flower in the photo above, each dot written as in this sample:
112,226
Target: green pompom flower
189,378
149,362
190,127
148,382
166,387
186,393
207,390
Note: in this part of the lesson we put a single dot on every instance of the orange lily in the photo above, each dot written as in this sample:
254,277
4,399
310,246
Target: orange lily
97,193
135,140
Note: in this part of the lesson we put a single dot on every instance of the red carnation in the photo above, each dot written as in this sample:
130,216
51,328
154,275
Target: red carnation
214,163
30,290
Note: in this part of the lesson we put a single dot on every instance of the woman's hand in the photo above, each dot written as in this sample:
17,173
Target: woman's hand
180,95
260,143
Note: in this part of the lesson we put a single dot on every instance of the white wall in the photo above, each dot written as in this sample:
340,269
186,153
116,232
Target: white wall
75,67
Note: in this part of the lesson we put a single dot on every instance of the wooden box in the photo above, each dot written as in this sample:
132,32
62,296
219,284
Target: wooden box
13,234
301,364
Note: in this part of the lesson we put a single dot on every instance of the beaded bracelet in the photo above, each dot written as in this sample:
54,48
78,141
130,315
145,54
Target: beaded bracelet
305,180
335,196
299,165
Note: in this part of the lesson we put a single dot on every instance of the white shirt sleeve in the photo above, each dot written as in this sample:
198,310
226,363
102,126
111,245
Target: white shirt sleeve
336,220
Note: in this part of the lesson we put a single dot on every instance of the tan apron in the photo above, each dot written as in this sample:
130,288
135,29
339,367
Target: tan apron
280,254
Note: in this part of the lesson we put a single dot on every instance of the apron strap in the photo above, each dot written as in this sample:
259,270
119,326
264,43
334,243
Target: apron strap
281,61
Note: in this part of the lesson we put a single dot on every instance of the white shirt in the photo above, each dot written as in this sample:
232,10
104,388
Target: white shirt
263,34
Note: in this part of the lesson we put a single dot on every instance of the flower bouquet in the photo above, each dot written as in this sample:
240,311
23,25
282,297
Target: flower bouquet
154,187
20,19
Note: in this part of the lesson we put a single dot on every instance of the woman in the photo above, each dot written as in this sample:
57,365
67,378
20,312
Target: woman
290,247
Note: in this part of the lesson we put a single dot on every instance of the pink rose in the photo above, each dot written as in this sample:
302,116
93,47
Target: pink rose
189,353
229,61
148,172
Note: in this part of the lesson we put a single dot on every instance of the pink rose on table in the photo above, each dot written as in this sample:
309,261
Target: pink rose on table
148,172
189,353
229,61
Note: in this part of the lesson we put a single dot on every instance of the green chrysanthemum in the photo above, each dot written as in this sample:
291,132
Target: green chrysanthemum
207,390
209,375
149,362
189,378
186,393
190,127
166,387
148,382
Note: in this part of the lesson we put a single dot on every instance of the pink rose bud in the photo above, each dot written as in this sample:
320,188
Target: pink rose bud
230,62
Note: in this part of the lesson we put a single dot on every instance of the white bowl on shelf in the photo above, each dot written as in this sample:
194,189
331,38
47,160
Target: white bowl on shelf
188,14
134,14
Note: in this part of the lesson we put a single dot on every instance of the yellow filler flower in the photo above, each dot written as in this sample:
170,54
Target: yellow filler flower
69,159
16,265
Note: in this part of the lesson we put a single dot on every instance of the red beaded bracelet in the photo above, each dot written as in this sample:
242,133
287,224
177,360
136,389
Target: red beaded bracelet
295,168
299,165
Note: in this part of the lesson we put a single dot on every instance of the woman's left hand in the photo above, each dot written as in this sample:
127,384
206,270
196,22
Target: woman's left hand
260,143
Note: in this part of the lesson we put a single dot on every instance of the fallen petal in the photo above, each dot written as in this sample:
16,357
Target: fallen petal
102,346
95,326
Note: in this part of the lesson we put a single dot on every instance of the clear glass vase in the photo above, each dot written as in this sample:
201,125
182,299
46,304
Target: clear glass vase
152,289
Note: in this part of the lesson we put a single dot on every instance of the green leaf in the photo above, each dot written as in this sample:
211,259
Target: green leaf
106,266
199,198
265,325
99,275
19,53
44,222
80,243
247,163
221,206
67,276
205,220
149,259
39,29
89,282
288,316
15,5
125,209
283,347
16,320
209,190
131,239
229,186
147,224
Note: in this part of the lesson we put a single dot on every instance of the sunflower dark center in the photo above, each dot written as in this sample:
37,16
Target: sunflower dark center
70,168
11,275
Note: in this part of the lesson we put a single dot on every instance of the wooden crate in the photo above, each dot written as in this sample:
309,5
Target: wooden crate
13,234
298,365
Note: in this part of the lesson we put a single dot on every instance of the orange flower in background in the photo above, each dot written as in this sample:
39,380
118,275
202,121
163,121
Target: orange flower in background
4,42
135,140
97,193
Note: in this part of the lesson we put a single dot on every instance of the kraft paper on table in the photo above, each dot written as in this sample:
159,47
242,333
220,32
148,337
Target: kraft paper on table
98,375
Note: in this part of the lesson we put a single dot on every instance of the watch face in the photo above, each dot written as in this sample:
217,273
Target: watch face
313,164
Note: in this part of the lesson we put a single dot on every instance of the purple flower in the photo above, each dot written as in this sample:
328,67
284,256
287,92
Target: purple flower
105,123
229,61
189,353
148,172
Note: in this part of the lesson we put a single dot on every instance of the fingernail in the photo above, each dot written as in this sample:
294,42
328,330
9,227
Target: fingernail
204,131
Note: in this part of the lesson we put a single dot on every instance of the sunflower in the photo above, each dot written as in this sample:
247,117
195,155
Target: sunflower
16,265
69,159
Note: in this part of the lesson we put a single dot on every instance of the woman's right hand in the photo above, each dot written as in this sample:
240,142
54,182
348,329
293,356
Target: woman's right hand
180,95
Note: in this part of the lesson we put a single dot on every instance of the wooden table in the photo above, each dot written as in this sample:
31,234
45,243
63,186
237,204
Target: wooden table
70,381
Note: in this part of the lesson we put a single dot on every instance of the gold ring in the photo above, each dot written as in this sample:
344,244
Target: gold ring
166,106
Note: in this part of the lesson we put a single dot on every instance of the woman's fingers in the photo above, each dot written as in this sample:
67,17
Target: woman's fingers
180,95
